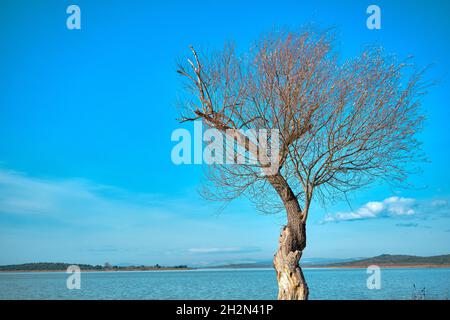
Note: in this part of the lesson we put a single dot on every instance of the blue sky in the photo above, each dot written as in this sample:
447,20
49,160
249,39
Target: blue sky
86,117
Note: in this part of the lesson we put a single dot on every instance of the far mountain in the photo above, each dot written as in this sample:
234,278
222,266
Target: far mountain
386,260
397,260
269,264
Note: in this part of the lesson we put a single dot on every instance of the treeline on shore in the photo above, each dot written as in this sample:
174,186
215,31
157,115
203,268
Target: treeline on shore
57,266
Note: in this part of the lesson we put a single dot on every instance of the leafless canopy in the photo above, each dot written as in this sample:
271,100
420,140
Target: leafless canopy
342,124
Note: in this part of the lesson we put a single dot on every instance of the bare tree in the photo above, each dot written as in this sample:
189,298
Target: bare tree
342,124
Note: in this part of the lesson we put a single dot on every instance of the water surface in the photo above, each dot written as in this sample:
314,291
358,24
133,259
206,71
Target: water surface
223,284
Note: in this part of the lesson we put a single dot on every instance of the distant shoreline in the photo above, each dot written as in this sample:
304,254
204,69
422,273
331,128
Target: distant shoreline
418,266
95,270
385,261
63,267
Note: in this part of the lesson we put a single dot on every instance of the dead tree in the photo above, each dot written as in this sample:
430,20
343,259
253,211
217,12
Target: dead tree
342,125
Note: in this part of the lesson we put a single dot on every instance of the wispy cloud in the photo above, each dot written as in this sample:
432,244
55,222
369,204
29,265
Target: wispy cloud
224,250
75,219
391,207
439,203
407,225
76,200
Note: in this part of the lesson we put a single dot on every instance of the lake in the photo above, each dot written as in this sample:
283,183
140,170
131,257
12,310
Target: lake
224,284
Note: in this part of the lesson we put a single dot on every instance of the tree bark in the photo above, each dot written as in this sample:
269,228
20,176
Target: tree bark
291,281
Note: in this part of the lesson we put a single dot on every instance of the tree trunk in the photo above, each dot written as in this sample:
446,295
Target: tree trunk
291,282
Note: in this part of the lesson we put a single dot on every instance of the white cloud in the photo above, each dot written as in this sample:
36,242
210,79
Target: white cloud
393,206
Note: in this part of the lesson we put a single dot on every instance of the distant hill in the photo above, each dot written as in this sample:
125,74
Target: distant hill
269,264
52,266
385,260
382,260
396,260
305,262
263,264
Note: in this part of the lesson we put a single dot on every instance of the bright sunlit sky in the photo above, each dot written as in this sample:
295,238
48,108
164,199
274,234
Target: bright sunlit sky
86,118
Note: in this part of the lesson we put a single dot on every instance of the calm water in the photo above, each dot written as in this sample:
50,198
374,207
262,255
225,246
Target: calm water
223,284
